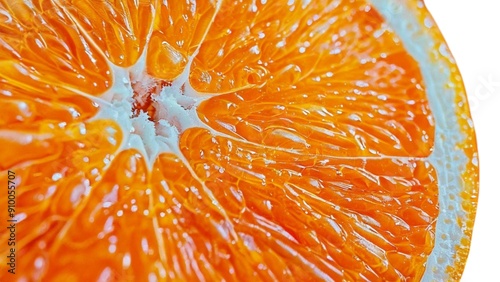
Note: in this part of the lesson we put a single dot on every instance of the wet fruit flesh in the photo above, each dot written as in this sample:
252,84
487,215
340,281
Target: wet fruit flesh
307,157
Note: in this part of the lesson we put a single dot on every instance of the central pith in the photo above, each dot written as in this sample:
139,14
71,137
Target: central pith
144,98
152,112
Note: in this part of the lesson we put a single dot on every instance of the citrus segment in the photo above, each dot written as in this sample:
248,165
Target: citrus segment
39,147
56,180
96,226
23,105
53,191
320,37
127,199
41,45
359,122
355,65
181,198
118,28
380,212
177,33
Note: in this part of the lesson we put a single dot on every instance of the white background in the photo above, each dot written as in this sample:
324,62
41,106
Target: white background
472,30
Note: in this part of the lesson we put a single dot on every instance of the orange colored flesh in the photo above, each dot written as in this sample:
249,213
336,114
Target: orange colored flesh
322,171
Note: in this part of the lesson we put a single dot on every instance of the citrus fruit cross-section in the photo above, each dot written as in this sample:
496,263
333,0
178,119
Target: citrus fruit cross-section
245,140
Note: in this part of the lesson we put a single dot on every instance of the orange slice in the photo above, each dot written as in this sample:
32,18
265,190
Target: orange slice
233,140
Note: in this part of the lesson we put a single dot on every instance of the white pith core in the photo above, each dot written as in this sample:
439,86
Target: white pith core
173,105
